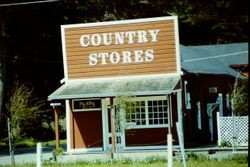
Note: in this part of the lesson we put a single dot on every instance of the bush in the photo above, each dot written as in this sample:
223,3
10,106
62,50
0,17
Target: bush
225,144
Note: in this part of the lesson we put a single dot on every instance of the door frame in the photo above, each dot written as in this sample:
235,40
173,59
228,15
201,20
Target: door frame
107,135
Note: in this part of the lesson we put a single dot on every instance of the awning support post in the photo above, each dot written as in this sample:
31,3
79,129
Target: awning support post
56,114
113,150
169,135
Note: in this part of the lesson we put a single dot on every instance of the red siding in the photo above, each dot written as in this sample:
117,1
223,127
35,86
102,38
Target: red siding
87,129
146,137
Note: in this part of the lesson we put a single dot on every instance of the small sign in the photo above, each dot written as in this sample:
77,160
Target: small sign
212,90
87,105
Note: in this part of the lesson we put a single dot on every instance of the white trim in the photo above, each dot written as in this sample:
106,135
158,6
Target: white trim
101,79
149,126
62,81
177,45
179,110
146,93
84,150
220,100
218,128
170,115
68,129
117,22
65,67
151,98
148,147
199,119
105,133
148,98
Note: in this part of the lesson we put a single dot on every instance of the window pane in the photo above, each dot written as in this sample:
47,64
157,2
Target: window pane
136,111
158,112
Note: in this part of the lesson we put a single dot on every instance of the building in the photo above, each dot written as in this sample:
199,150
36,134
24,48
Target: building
136,59
208,81
141,61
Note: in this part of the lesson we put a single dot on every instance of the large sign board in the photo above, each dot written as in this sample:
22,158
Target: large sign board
121,48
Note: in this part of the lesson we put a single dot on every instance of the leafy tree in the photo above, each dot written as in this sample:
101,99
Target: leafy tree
201,22
24,109
124,107
240,97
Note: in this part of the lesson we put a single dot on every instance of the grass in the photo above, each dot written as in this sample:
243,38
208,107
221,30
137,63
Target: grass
52,143
29,143
237,160
193,160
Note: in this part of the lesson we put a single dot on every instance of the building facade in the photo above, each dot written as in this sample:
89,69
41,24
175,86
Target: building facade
136,60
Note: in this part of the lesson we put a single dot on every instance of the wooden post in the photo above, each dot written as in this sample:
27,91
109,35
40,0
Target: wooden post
56,114
112,126
57,127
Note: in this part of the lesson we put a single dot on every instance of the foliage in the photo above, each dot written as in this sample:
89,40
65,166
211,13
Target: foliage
58,151
239,97
24,110
213,22
124,106
221,21
225,144
53,143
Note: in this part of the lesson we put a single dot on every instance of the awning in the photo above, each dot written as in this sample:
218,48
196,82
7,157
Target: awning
111,87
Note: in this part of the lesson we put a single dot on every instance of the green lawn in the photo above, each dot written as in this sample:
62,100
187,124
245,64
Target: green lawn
29,143
194,160
239,160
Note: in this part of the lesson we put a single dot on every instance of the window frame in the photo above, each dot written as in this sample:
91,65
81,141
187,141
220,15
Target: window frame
146,100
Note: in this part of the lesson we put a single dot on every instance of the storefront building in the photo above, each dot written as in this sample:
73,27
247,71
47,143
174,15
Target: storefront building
138,59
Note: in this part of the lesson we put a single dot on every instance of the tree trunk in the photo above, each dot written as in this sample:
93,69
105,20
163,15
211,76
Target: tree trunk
11,148
3,57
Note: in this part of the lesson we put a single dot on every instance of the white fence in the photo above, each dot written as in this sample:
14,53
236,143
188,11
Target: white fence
232,130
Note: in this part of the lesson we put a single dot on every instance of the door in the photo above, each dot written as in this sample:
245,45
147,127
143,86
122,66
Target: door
212,109
105,124
107,134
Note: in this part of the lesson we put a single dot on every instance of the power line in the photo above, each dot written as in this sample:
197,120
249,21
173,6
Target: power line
218,56
26,3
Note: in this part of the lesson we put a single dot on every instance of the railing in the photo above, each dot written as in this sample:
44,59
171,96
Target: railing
232,130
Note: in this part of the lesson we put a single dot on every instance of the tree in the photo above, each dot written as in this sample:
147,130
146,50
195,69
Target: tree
3,57
23,110
239,97
211,22
125,106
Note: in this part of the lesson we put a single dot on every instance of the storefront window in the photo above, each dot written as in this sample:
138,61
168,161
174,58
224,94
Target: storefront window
136,113
148,112
157,112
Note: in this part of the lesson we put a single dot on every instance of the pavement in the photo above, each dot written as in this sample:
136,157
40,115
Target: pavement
28,155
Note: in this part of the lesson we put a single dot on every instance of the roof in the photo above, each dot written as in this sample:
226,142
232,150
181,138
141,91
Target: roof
213,59
228,54
111,87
